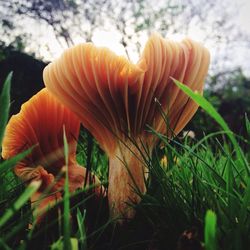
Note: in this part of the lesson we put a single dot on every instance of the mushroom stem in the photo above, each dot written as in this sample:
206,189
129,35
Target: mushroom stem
127,174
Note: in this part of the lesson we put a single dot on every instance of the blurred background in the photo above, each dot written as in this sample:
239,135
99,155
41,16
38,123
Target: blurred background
34,32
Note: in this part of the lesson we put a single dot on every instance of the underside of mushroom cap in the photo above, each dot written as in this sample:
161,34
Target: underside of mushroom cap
116,98
186,61
40,125
94,83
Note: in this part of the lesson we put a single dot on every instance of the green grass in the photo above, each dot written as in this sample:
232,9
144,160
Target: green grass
210,230
66,200
200,197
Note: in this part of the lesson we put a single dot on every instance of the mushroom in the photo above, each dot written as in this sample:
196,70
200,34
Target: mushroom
41,122
116,100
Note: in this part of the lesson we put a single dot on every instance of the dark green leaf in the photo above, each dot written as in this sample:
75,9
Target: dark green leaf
4,106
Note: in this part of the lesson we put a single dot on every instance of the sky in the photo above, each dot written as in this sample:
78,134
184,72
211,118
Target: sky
239,57
244,14
243,19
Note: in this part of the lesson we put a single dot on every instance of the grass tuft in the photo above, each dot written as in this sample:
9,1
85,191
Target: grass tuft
198,193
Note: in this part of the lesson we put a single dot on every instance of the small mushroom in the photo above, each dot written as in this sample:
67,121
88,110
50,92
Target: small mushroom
116,100
41,123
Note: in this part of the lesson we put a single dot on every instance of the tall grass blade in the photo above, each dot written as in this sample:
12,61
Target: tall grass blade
245,205
210,230
4,106
59,245
10,163
247,122
229,186
81,229
66,202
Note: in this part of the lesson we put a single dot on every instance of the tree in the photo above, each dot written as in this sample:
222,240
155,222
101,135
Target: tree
27,76
232,101
133,20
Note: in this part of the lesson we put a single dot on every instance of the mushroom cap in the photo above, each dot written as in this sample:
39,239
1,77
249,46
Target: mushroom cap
115,98
40,124
92,82
187,61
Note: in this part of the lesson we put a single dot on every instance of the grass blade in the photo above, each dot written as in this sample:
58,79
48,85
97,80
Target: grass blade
247,123
245,205
81,229
59,245
66,202
210,230
10,163
4,106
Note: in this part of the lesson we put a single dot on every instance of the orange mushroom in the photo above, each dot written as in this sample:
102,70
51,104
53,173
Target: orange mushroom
116,100
41,122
